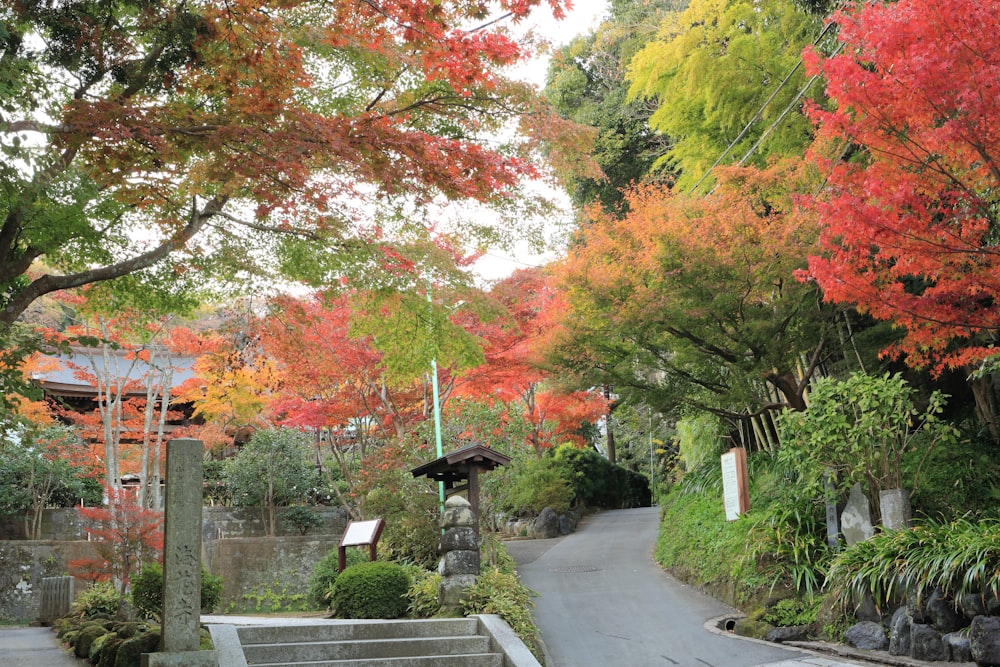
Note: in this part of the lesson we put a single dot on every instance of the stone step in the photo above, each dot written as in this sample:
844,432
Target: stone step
358,630
468,660
355,649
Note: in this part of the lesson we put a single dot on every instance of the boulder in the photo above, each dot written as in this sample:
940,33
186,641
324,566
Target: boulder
547,524
460,562
867,635
984,640
899,633
958,646
973,604
788,633
926,643
942,613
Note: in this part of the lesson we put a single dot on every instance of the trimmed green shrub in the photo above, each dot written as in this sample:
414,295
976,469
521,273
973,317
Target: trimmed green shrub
325,572
371,590
147,591
601,484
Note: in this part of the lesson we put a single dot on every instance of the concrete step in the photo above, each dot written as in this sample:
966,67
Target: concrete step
355,649
468,660
360,629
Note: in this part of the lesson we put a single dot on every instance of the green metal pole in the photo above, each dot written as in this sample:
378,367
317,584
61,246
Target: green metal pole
439,448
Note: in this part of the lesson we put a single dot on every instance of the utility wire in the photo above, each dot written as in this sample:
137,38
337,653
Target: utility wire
760,112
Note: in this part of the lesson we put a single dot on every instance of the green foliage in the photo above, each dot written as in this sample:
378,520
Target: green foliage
541,483
101,599
274,597
699,439
711,70
409,507
962,479
791,611
325,573
302,518
270,471
789,542
859,430
503,594
147,591
35,474
601,484
957,557
216,484
424,593
371,590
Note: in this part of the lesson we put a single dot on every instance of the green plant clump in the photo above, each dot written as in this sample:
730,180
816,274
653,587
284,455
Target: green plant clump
325,573
424,595
371,590
147,591
790,612
503,594
100,600
301,518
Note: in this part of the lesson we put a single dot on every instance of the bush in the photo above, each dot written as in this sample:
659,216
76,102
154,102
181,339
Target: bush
301,518
542,483
424,593
601,484
325,573
503,594
101,599
147,591
371,590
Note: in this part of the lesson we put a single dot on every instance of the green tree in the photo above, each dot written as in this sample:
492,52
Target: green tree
859,430
586,82
713,70
35,474
271,471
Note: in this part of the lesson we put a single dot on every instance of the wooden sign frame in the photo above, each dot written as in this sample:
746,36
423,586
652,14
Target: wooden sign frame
359,534
735,489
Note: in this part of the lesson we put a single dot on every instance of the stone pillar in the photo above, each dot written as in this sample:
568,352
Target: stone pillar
895,508
459,565
182,561
57,598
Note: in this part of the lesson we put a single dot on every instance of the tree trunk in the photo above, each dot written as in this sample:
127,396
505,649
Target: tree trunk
984,391
612,456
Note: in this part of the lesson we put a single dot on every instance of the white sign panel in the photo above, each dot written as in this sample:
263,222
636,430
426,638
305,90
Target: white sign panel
730,486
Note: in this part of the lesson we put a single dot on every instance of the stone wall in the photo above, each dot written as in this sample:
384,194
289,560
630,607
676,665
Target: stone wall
262,573
66,524
257,571
24,564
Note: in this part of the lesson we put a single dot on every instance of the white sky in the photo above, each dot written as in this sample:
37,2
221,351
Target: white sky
583,17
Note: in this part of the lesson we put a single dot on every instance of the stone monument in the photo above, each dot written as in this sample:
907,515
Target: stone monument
182,561
459,564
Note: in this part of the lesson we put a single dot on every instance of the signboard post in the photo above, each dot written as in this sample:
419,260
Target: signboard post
357,534
735,492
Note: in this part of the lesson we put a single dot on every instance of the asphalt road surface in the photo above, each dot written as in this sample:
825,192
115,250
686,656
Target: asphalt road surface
604,602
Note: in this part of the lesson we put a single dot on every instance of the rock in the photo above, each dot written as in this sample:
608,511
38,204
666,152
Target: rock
457,512
867,635
942,613
460,562
547,524
856,519
462,538
958,647
916,605
788,633
973,604
565,524
899,633
984,640
926,643
451,592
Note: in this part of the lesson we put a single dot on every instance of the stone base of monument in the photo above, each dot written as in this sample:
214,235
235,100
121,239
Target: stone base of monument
180,659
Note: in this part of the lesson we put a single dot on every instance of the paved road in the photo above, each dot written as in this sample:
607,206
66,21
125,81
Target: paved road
604,602
33,647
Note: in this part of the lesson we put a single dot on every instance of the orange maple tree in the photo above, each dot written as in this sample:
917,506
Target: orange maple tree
250,137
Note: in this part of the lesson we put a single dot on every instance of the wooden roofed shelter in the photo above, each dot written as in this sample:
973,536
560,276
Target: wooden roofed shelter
459,470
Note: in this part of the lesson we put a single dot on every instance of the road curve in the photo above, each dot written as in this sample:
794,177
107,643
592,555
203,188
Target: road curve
604,602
